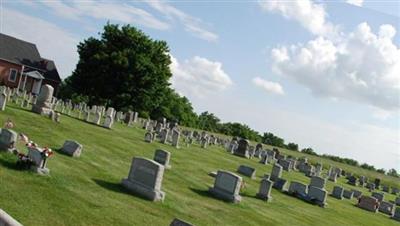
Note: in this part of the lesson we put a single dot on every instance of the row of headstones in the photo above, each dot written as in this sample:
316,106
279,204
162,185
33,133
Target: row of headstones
363,182
14,95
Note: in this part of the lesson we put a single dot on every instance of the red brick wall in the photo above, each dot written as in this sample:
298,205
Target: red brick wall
5,72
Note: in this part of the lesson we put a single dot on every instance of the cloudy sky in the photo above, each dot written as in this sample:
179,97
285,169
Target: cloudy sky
324,74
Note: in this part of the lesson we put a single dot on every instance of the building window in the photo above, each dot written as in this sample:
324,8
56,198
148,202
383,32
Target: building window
13,75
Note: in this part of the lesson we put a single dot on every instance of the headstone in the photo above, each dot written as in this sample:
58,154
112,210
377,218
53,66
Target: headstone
378,196
128,118
317,196
396,215
243,148
247,171
298,189
8,140
148,137
333,177
337,192
348,194
318,182
285,164
387,208
3,101
164,136
96,118
145,179
352,180
385,188
72,148
39,160
280,184
227,186
356,193
43,102
377,183
108,122
7,220
397,201
178,222
264,191
163,157
368,203
276,172
175,138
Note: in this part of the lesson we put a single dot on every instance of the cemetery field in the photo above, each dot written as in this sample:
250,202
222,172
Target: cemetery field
87,190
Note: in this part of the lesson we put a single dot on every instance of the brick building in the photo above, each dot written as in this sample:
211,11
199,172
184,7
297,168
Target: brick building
22,67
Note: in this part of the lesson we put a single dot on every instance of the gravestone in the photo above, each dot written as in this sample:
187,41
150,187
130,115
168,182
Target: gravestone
285,164
8,139
264,191
39,160
3,101
333,177
371,186
96,118
317,196
337,192
276,172
395,190
356,193
348,194
7,220
396,215
385,188
377,183
148,137
280,184
368,203
175,138
352,180
178,222
298,189
162,157
227,186
247,171
128,118
72,148
243,149
264,159
378,196
145,179
387,208
43,103
309,170
318,182
204,142
108,122
397,201
86,116
164,136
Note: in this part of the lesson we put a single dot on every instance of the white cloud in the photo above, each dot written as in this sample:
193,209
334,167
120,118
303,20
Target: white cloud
268,86
47,37
310,15
192,25
121,12
360,66
355,2
198,77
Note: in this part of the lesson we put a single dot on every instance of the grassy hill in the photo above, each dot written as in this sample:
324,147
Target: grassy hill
87,190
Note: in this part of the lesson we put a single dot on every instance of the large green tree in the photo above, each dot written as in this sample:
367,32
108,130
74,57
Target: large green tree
124,68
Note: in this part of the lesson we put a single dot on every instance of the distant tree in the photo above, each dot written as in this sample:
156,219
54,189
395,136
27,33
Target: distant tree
393,173
309,151
239,130
208,121
271,139
124,68
293,146
368,167
381,171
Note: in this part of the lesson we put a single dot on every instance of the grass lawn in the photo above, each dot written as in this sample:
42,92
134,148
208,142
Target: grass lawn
87,190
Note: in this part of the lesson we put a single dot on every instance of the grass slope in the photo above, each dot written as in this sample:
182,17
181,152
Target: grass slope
87,191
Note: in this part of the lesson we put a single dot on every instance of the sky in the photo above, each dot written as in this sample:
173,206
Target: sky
323,74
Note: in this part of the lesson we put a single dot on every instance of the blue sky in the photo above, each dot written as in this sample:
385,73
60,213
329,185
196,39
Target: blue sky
324,74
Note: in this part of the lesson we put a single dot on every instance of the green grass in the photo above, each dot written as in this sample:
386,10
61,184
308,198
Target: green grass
87,190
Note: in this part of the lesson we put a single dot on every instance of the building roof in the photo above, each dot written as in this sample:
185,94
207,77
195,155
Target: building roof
25,53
